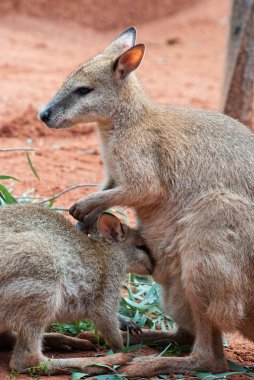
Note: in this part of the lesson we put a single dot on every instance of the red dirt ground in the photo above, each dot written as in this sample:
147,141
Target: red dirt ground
41,44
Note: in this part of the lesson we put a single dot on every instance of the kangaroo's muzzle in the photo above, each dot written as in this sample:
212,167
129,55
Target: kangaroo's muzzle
45,115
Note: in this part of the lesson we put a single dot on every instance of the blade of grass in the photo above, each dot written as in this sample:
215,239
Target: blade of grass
8,177
6,195
32,167
165,349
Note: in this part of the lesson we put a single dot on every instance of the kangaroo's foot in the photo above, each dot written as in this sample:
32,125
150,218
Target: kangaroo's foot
181,337
207,352
150,366
62,342
91,365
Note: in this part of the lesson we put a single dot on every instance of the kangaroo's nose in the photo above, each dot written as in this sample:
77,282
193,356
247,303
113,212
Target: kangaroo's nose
45,115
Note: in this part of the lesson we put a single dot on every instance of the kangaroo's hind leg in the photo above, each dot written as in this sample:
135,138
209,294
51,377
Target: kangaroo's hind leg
207,350
53,341
28,348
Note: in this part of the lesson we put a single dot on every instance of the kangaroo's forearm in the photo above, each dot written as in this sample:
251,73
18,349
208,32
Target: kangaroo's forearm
118,196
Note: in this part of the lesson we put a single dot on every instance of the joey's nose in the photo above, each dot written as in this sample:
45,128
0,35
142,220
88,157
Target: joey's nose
45,115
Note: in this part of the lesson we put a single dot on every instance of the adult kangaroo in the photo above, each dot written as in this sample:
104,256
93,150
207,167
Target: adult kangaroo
189,174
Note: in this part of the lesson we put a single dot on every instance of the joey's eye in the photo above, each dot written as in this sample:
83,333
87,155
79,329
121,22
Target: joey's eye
83,90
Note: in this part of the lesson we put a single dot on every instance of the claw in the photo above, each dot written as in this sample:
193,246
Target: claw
129,325
134,328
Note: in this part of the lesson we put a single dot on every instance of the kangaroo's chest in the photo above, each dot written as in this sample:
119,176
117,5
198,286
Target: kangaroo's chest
107,154
124,156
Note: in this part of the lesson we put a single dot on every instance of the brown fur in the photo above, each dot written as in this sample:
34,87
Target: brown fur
50,271
189,174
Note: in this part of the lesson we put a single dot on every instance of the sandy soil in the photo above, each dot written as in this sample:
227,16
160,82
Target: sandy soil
183,65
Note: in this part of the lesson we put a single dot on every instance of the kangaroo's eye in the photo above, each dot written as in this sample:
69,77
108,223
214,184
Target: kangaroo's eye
83,90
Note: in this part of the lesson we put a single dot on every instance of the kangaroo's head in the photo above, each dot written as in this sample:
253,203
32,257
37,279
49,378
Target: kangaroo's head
97,90
136,254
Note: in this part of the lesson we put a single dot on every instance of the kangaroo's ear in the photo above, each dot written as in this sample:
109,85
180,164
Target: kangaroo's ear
128,61
110,227
126,40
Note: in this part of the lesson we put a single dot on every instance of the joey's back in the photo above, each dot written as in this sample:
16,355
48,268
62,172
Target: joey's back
48,229
46,237
41,246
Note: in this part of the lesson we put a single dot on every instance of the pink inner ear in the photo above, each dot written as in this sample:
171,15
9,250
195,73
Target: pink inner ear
109,226
131,58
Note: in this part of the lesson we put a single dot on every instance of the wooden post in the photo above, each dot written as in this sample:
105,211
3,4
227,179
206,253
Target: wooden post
237,94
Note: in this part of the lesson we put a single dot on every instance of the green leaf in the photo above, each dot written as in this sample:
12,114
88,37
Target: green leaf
130,293
8,177
128,338
131,348
163,327
236,367
51,202
140,320
32,167
2,202
101,365
78,375
210,376
249,368
109,377
136,305
6,195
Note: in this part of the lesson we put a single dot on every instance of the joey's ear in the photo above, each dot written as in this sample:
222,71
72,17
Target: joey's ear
110,227
128,61
126,40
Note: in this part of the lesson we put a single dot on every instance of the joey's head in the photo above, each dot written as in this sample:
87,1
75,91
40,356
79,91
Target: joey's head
98,89
136,255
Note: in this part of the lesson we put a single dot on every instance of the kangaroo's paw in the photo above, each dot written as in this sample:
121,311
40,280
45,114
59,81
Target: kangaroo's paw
80,209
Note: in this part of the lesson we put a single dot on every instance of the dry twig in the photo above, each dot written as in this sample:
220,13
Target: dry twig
17,149
65,191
